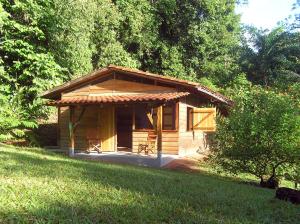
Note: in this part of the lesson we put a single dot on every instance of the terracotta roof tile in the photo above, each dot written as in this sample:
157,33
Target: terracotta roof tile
146,97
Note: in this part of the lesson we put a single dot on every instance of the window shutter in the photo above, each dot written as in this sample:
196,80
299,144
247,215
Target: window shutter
204,119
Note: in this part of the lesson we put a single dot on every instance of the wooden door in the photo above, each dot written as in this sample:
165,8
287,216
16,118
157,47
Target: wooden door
107,128
124,128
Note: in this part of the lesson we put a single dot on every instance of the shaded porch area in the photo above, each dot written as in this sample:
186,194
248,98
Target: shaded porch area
137,126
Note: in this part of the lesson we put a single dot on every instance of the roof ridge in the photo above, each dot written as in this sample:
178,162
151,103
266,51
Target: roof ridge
152,74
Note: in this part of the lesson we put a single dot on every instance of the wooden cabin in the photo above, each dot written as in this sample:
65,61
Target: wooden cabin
121,107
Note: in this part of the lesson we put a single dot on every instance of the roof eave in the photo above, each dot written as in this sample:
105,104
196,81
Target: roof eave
215,96
77,81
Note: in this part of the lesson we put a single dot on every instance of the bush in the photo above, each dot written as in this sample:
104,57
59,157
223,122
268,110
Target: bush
14,121
261,136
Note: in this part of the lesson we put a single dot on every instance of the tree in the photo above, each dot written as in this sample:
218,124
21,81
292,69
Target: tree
26,67
261,136
68,26
197,39
271,58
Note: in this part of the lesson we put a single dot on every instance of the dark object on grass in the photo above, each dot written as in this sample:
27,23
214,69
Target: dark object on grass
271,183
288,194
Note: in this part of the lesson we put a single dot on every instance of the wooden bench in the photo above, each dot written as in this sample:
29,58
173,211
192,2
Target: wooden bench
149,145
94,144
93,139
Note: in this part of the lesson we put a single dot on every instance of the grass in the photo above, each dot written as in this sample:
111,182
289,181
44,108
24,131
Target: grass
41,187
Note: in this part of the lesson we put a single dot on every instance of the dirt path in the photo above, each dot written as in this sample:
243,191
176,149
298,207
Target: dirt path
188,163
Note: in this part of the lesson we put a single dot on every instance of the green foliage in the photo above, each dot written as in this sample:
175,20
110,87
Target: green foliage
3,16
185,39
69,26
115,54
261,136
26,67
293,174
202,34
108,48
272,59
294,91
14,121
208,83
238,85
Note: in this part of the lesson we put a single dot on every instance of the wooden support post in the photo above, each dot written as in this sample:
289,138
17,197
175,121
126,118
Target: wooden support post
159,131
115,120
71,130
133,118
58,126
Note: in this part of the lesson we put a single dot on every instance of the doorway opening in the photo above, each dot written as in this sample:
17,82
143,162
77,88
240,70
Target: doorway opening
124,129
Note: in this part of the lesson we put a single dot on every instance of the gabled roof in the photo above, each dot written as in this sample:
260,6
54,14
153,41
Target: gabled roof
192,87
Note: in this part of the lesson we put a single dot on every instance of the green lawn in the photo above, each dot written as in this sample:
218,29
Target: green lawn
41,187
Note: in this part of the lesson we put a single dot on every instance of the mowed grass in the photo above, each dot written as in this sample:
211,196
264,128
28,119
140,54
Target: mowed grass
42,187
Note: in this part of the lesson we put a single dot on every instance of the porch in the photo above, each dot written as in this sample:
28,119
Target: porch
151,160
120,127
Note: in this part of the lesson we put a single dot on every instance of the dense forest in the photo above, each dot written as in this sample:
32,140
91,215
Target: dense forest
44,43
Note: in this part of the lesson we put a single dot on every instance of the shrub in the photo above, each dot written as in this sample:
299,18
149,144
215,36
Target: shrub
261,136
14,121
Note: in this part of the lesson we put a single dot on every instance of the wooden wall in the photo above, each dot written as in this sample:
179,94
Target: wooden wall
170,144
138,137
189,141
114,86
91,122
169,141
180,142
87,122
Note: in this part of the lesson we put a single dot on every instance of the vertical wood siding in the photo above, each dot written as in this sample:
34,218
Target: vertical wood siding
88,121
169,141
91,119
189,141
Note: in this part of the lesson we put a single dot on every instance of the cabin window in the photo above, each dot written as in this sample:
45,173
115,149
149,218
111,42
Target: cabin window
169,117
142,120
189,119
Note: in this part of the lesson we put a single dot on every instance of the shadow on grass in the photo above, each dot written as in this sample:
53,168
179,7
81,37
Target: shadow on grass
157,195
62,212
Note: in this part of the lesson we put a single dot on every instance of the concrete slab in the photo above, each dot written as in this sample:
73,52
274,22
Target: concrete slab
129,158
